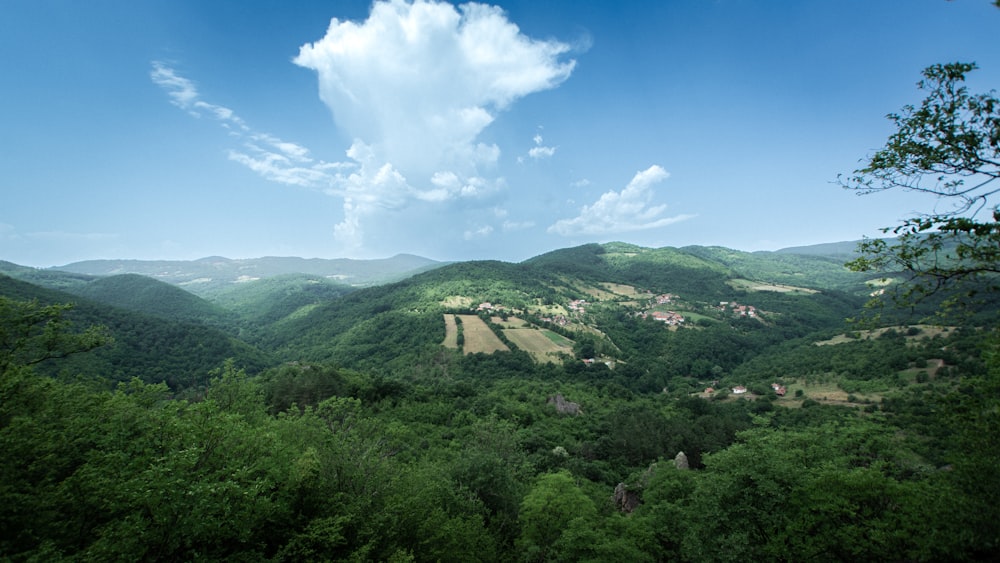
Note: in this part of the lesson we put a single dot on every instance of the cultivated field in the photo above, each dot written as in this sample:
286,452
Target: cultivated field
543,345
450,332
478,337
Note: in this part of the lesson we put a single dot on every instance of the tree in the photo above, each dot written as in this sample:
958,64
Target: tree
949,147
551,507
31,333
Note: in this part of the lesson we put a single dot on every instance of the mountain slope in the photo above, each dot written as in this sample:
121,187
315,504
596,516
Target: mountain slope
599,293
150,348
159,299
271,300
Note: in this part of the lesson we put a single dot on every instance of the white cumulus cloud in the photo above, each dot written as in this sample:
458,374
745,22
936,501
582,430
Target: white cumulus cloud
413,85
624,211
418,82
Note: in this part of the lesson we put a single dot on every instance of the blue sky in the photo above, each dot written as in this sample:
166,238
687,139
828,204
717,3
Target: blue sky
181,129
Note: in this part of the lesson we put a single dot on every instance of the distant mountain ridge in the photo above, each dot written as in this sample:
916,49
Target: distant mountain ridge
209,275
847,249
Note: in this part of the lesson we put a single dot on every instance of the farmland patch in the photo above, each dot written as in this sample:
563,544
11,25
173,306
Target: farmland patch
478,337
542,345
450,332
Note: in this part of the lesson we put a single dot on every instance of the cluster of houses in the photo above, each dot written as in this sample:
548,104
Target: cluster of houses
487,306
669,317
737,309
560,320
578,305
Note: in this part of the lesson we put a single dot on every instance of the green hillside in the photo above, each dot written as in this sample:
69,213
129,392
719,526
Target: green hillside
53,279
148,347
152,297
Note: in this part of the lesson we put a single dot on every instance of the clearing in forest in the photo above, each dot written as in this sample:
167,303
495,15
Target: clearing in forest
450,332
920,332
624,290
511,322
543,345
748,285
478,337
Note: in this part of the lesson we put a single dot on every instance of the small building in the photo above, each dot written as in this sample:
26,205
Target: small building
739,390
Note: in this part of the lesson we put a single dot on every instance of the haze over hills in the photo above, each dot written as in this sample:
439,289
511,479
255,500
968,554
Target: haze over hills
207,275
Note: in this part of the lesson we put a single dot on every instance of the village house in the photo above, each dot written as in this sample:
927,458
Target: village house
739,310
779,390
560,320
739,390
669,317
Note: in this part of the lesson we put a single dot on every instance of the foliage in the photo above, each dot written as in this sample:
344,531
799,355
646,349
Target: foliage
949,147
151,348
155,298
31,334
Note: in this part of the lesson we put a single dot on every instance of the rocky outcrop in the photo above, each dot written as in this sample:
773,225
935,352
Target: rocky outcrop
681,461
626,500
563,406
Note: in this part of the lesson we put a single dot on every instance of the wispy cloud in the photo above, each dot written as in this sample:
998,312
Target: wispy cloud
540,151
273,158
624,211
481,232
181,91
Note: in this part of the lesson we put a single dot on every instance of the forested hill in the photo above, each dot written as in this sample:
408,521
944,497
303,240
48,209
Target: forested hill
148,295
176,347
